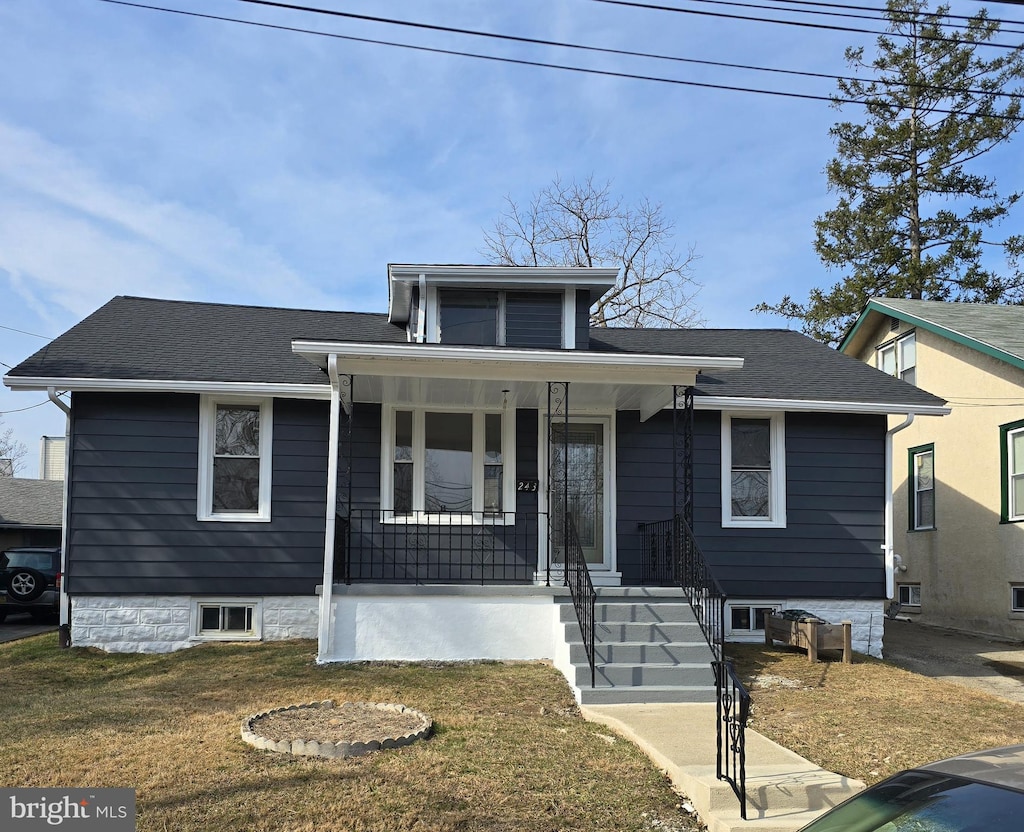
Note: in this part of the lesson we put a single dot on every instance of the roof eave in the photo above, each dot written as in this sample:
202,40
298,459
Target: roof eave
815,405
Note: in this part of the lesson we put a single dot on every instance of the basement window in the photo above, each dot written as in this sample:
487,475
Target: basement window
910,595
227,620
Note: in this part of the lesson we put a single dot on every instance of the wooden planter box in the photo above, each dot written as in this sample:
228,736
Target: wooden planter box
810,636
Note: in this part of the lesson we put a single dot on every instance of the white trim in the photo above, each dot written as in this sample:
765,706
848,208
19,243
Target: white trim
477,515
195,622
776,518
207,427
117,385
1012,480
569,318
805,405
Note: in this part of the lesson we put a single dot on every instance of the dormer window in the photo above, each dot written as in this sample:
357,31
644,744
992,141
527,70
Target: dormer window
469,317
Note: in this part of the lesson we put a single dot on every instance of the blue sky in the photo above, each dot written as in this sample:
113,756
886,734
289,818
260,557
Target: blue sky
153,154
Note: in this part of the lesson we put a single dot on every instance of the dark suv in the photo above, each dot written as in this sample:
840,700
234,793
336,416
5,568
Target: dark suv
31,578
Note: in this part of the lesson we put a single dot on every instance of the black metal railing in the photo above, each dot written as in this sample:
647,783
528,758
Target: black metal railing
382,546
581,588
732,711
671,556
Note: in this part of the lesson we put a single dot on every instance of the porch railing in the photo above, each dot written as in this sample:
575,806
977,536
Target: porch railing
581,588
732,710
382,546
672,557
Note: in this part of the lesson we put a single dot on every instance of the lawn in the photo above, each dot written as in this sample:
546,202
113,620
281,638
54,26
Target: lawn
510,750
869,719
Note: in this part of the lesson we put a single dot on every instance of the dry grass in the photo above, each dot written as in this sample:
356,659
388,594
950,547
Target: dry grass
510,749
869,719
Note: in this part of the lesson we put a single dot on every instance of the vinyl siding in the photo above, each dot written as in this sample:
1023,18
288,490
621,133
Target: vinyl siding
133,526
830,547
583,319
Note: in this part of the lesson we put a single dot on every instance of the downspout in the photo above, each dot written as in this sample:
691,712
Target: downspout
326,591
887,547
64,600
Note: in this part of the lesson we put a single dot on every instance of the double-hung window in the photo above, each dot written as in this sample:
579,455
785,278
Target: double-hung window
451,464
899,358
921,478
235,438
753,470
1011,457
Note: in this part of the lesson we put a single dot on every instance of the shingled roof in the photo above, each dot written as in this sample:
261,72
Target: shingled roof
994,329
31,503
133,338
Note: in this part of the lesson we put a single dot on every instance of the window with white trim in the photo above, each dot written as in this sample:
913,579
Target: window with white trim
922,488
909,595
899,358
227,620
754,470
235,440
1017,599
447,463
1012,471
744,618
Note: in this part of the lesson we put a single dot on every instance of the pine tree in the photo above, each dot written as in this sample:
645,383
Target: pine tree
913,213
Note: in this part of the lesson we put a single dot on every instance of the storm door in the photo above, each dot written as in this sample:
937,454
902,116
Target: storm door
587,466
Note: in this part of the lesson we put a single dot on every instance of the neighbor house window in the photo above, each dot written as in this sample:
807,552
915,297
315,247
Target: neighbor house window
234,459
899,358
226,620
753,470
922,487
446,463
910,595
1017,599
1011,455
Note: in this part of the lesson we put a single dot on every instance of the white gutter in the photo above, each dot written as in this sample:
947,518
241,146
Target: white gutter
326,592
887,547
146,385
809,405
64,600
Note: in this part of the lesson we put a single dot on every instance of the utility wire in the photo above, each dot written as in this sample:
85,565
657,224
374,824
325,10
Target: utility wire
803,24
831,99
602,50
33,334
23,409
879,13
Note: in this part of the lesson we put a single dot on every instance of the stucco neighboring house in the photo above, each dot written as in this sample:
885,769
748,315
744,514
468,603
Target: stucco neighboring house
417,483
30,512
959,485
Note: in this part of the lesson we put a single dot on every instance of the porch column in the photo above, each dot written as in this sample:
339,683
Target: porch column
558,491
682,454
330,524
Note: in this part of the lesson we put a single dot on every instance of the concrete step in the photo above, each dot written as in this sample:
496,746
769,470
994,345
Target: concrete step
633,611
646,675
617,633
775,791
636,652
646,694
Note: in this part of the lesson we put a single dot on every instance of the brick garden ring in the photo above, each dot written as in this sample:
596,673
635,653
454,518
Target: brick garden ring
322,729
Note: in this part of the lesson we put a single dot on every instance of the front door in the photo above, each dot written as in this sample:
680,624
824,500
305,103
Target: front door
586,487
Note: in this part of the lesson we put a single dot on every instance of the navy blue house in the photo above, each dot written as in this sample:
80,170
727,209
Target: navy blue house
412,484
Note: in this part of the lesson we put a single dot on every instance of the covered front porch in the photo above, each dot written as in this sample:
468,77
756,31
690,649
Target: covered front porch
490,470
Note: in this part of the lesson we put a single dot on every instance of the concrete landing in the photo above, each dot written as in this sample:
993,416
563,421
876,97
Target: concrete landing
784,791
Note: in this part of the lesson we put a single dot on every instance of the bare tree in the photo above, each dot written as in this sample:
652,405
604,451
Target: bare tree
583,224
11,450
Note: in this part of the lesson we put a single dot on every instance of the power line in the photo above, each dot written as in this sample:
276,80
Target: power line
23,332
831,99
803,24
23,409
599,49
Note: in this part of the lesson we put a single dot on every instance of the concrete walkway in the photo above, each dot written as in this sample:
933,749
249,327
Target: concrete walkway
784,790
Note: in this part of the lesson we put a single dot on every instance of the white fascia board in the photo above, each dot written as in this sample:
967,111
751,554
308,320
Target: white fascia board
798,405
527,275
515,365
118,385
